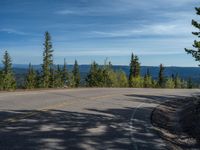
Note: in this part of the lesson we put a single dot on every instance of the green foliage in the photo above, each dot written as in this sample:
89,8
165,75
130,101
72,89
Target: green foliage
65,75
52,77
95,76
169,83
148,80
134,69
161,78
39,78
109,76
76,74
58,78
189,83
136,82
71,81
8,80
183,84
196,51
105,76
177,81
30,78
122,80
47,60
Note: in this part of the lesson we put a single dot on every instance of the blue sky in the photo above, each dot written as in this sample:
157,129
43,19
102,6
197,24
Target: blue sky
87,30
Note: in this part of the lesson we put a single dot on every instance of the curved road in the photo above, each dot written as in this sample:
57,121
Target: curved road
93,118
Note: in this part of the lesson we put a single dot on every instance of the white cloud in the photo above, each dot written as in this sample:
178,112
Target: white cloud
12,31
170,29
113,53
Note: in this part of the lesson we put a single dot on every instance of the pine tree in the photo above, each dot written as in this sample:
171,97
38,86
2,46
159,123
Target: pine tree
9,82
131,69
195,52
161,76
71,80
177,81
134,70
108,75
92,79
47,60
52,77
189,83
147,79
30,78
65,75
39,82
58,77
76,74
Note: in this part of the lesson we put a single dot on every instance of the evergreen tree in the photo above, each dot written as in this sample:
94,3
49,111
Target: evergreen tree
177,81
65,76
147,79
189,83
134,69
39,82
52,77
71,81
30,78
76,74
92,78
131,69
58,77
47,60
161,76
195,52
109,76
9,82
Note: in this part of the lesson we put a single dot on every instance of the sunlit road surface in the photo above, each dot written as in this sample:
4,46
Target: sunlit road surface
97,118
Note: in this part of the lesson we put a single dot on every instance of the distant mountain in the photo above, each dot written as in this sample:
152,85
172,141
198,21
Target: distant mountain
183,72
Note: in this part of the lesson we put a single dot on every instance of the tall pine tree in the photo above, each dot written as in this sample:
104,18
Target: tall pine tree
9,82
47,60
134,73
76,74
195,52
161,76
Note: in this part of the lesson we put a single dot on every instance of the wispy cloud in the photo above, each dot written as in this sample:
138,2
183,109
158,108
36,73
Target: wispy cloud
12,31
170,29
113,53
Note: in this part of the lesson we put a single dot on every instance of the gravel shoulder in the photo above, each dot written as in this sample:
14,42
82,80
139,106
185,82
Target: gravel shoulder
178,121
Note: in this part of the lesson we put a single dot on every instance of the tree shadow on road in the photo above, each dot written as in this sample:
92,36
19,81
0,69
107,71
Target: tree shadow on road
153,98
59,129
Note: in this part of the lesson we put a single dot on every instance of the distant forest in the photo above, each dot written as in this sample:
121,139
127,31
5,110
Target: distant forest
50,75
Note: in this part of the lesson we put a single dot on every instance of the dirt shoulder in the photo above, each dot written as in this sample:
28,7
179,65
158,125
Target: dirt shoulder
178,122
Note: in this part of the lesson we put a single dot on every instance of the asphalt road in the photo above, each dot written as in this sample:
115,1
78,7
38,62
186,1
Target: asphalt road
98,118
